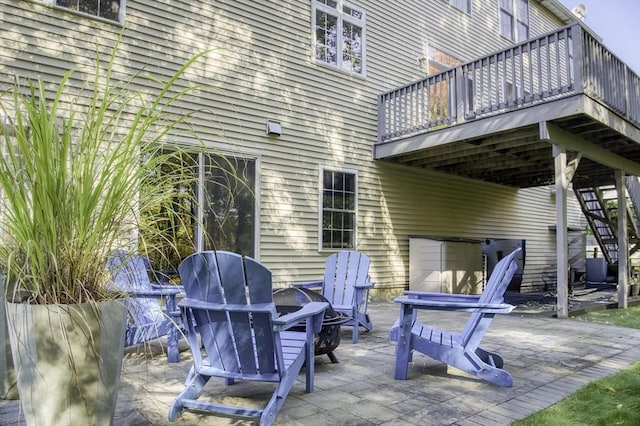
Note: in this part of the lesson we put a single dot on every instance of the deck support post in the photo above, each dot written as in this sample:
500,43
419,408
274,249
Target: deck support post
623,249
562,235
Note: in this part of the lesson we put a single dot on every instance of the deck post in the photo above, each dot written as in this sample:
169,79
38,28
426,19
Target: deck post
381,118
578,58
623,249
562,235
459,93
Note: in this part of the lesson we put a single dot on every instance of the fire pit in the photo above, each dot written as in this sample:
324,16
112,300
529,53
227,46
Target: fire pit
291,299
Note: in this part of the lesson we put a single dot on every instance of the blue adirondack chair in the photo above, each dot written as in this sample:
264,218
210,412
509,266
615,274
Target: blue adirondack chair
148,317
346,285
229,304
460,350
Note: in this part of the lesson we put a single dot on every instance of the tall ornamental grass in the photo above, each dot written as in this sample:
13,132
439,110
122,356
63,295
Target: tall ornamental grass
71,175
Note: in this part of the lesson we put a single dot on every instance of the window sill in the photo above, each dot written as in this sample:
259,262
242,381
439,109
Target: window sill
87,15
362,76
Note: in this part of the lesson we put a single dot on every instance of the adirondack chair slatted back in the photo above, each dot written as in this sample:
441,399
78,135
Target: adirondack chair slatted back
229,305
151,307
343,271
493,293
130,273
239,339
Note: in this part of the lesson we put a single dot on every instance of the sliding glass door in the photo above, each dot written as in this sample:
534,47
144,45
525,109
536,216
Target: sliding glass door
215,211
228,204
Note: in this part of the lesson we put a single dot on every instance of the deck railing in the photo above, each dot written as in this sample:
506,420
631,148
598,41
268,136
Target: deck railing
562,63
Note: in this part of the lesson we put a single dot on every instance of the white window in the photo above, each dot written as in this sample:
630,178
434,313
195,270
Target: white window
514,19
463,5
338,212
339,35
439,60
112,10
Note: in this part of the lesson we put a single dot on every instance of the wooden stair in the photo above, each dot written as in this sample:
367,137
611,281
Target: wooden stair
601,212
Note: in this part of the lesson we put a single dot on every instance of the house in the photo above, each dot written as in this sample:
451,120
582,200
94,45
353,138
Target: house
358,124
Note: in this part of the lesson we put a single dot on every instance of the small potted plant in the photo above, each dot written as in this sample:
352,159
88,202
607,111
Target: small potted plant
72,167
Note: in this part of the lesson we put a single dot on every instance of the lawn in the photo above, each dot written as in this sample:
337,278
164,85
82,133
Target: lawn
629,317
614,400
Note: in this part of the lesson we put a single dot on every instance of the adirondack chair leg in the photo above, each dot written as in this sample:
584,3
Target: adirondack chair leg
488,366
277,400
403,351
490,358
496,376
173,354
359,319
332,357
192,390
473,364
365,321
310,352
173,335
403,356
271,409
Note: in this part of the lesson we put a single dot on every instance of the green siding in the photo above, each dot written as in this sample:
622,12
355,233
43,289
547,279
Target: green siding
260,68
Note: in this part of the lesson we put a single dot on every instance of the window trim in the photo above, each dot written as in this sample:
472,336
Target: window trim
199,229
119,21
441,66
468,4
515,36
321,171
341,17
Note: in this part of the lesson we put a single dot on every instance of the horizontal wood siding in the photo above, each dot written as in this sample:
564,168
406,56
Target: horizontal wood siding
259,68
438,205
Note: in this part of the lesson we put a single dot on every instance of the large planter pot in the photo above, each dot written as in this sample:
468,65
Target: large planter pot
68,360
8,385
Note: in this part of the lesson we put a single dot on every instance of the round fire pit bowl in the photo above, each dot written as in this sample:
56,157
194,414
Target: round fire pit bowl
291,299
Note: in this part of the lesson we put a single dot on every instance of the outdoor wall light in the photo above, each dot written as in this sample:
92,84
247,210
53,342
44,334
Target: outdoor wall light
274,128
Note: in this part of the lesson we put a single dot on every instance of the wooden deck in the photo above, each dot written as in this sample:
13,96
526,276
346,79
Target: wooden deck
497,118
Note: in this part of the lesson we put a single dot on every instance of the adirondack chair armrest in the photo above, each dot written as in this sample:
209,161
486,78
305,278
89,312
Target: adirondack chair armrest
168,294
367,285
170,288
442,297
310,309
153,293
495,308
226,307
307,284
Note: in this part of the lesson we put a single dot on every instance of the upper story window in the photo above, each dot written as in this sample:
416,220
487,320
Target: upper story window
463,5
339,35
514,19
338,211
439,60
112,10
